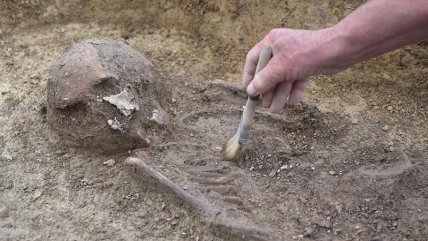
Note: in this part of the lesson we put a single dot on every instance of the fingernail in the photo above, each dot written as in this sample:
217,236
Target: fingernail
250,90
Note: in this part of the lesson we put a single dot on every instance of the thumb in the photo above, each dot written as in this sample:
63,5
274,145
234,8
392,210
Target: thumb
268,77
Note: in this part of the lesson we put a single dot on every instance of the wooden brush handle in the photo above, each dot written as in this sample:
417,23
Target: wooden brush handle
250,107
264,58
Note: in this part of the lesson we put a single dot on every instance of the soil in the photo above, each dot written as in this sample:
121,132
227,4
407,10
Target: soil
348,163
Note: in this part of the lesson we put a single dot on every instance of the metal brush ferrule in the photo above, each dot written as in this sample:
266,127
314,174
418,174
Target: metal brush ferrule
244,133
254,98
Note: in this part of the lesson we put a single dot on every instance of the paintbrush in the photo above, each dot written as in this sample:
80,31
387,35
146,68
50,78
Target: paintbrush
233,147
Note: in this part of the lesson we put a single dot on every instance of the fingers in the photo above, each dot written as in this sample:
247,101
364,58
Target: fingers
284,93
267,98
251,64
297,91
280,97
268,77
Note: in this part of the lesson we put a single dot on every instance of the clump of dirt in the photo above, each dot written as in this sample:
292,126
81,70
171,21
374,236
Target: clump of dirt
103,94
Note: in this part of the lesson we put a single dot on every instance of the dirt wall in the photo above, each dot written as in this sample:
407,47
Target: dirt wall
231,23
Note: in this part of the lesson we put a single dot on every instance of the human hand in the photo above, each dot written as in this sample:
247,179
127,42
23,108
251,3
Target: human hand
297,55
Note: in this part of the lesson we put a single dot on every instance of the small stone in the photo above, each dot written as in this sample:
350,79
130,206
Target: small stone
191,135
84,182
6,156
389,108
115,124
173,100
160,117
385,128
332,173
303,200
251,168
308,231
37,194
110,162
272,173
174,222
283,167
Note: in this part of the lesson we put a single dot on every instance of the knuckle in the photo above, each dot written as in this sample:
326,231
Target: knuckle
249,54
258,84
274,31
276,75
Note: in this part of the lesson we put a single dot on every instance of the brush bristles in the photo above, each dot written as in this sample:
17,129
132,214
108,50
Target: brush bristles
232,148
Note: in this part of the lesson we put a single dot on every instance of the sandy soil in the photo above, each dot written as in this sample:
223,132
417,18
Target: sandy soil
348,163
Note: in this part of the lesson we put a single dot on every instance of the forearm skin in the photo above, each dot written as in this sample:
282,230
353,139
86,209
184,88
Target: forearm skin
376,28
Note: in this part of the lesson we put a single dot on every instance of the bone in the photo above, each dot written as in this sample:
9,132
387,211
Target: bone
224,225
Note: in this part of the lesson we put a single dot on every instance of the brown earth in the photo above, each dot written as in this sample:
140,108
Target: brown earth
348,163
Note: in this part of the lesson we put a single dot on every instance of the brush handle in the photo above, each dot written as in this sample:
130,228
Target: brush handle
250,108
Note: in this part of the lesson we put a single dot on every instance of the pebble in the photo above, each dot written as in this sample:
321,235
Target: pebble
332,173
174,222
385,128
251,168
173,100
114,124
303,200
308,231
389,108
272,173
6,156
283,167
84,182
110,162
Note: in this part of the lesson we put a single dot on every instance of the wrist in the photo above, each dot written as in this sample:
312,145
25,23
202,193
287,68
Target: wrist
336,50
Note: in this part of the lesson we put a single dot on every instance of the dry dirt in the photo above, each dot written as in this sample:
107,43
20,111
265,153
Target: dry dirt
348,163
